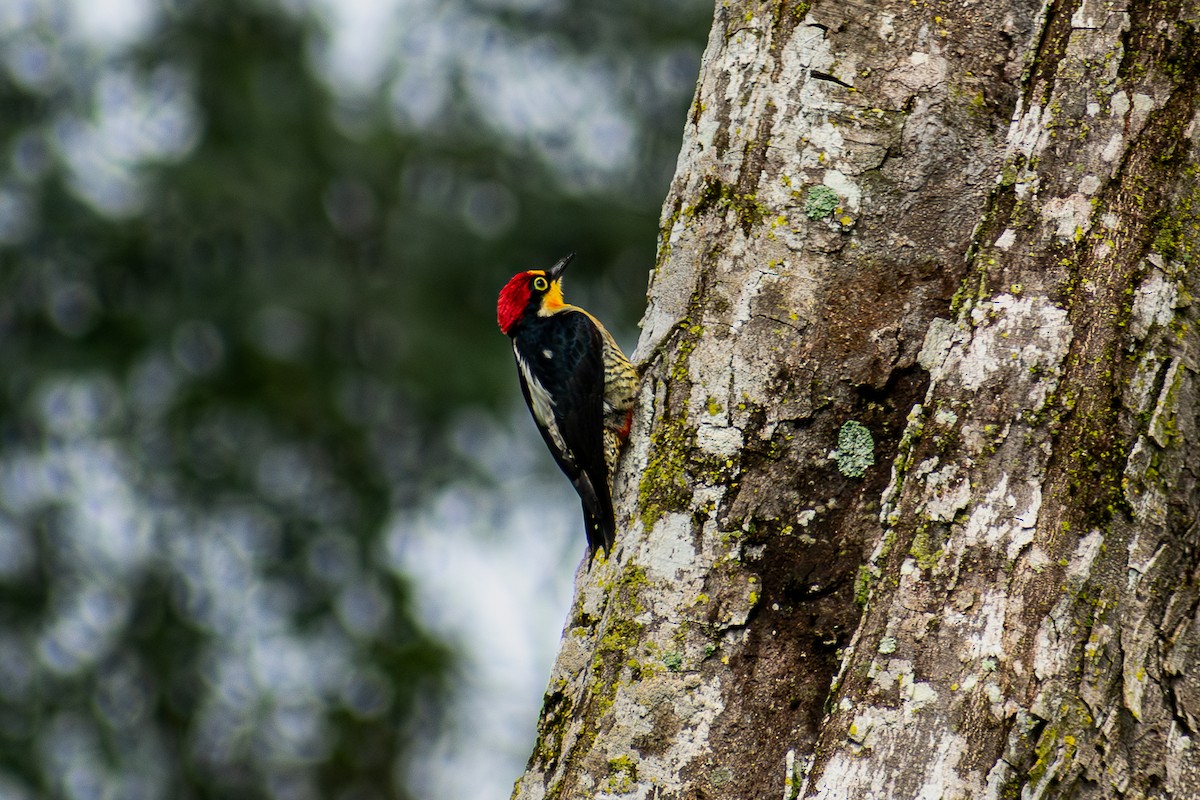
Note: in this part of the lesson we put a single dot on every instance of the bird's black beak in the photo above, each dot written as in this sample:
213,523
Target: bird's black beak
557,270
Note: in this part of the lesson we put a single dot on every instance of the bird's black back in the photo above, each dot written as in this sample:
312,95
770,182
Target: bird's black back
563,355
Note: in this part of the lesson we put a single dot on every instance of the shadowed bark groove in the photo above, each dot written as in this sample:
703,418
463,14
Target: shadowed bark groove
992,275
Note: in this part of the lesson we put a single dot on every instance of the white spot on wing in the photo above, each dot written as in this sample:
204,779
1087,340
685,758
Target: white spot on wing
543,406
548,353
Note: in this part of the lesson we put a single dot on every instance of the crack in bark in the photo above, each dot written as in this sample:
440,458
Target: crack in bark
1050,51
799,329
825,76
1091,429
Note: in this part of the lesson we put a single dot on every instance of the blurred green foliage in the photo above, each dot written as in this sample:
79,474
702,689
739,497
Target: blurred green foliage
238,307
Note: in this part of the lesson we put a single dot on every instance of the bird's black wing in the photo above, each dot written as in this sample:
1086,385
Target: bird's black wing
560,360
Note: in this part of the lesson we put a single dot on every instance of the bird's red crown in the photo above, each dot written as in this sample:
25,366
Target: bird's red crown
514,299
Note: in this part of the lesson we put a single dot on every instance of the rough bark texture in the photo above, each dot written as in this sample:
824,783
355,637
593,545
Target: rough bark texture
968,231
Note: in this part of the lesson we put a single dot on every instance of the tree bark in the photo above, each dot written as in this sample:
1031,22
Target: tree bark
908,509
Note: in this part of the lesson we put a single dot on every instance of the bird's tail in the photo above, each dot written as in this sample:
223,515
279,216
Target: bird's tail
599,522
601,528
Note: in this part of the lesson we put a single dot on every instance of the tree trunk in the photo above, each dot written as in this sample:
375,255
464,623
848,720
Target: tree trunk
908,509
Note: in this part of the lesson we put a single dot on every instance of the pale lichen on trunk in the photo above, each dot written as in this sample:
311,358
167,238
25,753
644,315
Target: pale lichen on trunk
1027,569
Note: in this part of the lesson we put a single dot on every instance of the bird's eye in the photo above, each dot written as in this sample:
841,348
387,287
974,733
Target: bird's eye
539,283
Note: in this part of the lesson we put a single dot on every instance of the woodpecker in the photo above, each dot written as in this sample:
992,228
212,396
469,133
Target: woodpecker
578,385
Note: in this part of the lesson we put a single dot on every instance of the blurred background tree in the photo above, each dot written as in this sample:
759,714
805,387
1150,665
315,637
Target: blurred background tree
249,253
